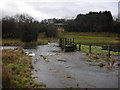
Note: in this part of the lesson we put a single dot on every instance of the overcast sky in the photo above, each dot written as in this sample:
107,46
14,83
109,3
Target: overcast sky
44,9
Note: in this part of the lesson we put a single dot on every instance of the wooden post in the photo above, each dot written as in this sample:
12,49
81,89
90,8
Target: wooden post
75,46
90,49
65,41
68,41
79,46
109,51
60,42
73,40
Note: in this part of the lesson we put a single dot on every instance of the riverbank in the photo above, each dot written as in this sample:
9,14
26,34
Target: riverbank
16,70
89,38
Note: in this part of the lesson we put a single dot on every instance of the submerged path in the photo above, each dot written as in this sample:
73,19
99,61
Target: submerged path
69,70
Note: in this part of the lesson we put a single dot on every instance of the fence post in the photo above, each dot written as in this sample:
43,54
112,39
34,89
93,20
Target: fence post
65,41
73,40
75,46
109,51
59,42
63,44
70,40
90,49
79,46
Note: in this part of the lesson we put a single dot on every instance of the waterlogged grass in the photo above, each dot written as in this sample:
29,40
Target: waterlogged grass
96,49
17,69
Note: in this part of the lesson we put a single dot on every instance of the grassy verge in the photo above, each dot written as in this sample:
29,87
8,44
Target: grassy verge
16,70
96,50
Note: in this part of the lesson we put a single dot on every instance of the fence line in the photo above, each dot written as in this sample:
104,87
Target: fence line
68,44
109,48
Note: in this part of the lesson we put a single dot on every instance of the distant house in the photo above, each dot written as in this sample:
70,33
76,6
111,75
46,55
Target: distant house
60,26
59,23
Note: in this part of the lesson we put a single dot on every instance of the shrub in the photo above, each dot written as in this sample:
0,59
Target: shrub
51,31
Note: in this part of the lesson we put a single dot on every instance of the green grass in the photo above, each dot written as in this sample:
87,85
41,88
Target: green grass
92,38
96,49
10,40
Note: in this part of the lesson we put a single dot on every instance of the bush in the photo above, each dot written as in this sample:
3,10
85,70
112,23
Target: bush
30,32
51,31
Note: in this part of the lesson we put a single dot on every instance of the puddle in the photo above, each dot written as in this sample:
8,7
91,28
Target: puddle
8,47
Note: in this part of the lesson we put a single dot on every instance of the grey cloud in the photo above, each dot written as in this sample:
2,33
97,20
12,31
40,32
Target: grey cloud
61,9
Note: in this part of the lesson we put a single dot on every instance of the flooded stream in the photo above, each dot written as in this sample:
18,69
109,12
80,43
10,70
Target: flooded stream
69,70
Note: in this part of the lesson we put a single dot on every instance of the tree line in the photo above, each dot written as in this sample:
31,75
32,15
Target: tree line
25,28
93,22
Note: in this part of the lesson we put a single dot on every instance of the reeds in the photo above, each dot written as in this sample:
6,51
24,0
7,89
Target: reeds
16,71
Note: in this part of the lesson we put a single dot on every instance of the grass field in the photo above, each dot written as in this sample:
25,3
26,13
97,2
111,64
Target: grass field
96,50
96,38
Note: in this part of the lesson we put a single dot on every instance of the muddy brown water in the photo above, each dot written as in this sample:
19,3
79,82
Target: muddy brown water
69,70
